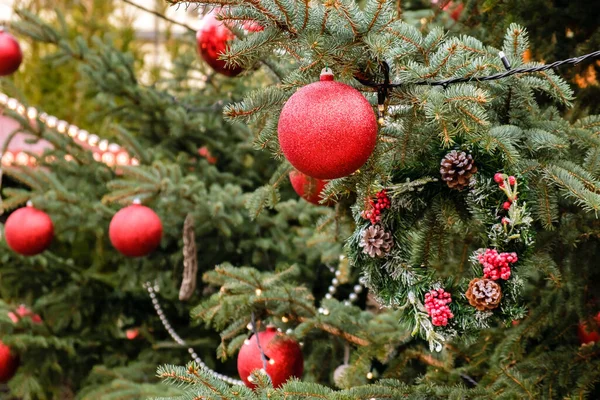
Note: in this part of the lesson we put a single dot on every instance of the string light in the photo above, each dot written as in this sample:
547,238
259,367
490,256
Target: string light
104,151
167,325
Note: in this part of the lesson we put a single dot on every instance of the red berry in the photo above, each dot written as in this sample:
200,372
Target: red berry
506,205
512,180
499,178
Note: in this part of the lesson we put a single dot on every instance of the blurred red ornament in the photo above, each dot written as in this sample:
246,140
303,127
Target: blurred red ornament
454,9
213,38
8,363
308,188
28,231
327,129
23,311
132,333
10,53
135,231
589,334
204,152
284,357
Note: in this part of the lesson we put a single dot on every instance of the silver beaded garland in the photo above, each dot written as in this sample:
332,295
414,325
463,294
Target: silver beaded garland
152,289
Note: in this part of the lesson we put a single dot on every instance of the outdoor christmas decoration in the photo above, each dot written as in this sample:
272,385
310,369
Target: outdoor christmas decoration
327,129
10,53
308,188
135,231
484,294
376,242
589,333
283,357
8,363
28,231
457,168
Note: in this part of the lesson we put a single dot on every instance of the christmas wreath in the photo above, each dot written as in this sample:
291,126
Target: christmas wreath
393,221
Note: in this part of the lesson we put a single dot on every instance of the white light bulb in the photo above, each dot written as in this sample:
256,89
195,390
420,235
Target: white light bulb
93,140
32,113
258,292
51,121
83,135
370,375
73,131
12,103
62,126
103,145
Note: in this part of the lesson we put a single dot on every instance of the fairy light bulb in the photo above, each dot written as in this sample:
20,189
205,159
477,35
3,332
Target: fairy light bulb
284,319
108,159
3,99
73,131
103,145
258,292
93,140
12,104
32,113
271,361
135,162
97,157
113,147
21,109
369,375
22,158
8,158
51,121
83,135
61,126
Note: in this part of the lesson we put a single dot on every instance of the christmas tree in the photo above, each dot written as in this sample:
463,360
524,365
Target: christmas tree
451,256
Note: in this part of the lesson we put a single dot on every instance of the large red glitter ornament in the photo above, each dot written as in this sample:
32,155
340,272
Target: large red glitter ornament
308,188
8,363
327,129
284,357
28,231
10,53
213,38
589,334
135,231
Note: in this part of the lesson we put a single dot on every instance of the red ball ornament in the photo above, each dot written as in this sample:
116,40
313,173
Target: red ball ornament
8,363
28,231
308,188
135,231
589,334
284,357
10,53
213,38
327,129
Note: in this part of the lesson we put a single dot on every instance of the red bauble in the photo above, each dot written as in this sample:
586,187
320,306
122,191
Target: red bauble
308,188
589,334
10,53
28,231
283,354
23,311
135,231
327,129
8,363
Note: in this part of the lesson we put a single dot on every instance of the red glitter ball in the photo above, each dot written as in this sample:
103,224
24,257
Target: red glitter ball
327,129
10,53
29,231
213,38
8,363
135,231
283,354
308,188
589,334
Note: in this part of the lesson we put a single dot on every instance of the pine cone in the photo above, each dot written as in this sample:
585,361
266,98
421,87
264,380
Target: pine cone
457,168
376,242
484,294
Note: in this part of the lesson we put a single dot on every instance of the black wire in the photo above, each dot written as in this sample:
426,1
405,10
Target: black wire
386,86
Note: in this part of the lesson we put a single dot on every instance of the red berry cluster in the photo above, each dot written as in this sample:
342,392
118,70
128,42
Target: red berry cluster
380,203
497,265
436,304
511,193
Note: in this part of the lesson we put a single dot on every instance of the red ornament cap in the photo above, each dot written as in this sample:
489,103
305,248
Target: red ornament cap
326,74
28,231
283,354
11,55
135,231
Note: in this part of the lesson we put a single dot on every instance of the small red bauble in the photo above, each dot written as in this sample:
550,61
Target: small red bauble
23,311
28,231
8,363
213,38
135,231
132,333
327,129
589,334
308,188
284,357
10,53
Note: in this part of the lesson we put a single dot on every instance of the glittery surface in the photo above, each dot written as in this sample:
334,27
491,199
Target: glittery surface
10,54
327,130
28,231
285,353
212,41
135,231
308,188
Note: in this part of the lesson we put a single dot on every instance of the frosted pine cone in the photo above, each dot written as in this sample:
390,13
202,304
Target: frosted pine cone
376,242
457,168
484,294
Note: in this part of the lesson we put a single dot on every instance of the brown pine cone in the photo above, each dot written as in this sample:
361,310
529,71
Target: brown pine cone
457,168
376,242
484,294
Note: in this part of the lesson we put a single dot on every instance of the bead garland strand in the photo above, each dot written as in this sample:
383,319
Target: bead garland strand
159,311
335,282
